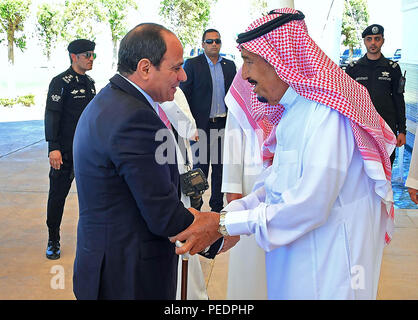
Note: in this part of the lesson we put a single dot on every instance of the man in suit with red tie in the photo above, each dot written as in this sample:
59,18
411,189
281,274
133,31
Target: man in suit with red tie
129,202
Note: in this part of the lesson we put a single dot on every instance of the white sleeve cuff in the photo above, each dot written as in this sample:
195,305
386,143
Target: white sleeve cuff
248,202
236,222
231,188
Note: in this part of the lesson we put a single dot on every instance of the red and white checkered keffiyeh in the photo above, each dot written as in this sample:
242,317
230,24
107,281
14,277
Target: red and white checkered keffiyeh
300,63
238,100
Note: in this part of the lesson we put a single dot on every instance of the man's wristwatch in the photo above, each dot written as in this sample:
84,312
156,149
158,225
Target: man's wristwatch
222,229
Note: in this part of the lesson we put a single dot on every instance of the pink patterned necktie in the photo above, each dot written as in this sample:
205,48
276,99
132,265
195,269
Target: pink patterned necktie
163,117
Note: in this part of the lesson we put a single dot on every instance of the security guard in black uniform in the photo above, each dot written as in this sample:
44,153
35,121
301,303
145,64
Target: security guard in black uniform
383,79
68,95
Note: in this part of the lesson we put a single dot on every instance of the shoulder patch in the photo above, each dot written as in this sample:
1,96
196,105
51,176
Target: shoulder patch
55,97
394,65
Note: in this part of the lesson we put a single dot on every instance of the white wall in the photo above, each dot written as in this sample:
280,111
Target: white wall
388,14
275,4
230,17
323,19
409,34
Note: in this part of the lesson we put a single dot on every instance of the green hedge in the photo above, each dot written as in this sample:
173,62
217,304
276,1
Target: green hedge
27,100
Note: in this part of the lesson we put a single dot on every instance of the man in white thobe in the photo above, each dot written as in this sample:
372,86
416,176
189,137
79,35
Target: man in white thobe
242,164
323,210
412,181
308,206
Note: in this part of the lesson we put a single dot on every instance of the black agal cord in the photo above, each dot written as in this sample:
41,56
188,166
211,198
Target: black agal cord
269,26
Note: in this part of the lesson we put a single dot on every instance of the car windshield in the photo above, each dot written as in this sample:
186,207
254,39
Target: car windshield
356,52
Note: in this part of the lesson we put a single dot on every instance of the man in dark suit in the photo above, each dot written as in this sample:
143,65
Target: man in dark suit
209,77
129,202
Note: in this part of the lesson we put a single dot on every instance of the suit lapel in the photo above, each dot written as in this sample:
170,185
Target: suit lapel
118,81
225,72
122,84
206,67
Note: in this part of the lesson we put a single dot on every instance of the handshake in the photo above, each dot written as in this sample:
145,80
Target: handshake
202,233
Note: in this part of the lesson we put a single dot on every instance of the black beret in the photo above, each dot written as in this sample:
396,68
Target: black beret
81,45
372,30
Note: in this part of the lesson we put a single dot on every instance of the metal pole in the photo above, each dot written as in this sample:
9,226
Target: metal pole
184,271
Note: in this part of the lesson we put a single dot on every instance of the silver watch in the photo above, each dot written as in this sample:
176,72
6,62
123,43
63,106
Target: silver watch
222,229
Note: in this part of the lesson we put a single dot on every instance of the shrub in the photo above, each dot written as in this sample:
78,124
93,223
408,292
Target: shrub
26,100
7,102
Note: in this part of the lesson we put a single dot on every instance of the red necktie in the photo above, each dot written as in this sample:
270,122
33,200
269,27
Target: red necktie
163,117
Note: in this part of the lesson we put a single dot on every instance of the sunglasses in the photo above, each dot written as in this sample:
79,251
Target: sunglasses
87,55
210,41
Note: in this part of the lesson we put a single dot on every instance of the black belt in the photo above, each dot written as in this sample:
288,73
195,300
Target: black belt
216,119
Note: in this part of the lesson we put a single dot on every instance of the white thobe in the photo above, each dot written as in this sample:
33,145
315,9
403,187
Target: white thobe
178,112
241,166
314,210
412,180
241,158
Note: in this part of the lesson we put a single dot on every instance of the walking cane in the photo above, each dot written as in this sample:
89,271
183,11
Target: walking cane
184,271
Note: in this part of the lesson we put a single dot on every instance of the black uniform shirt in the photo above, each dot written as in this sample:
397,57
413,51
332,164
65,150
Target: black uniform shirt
381,78
68,95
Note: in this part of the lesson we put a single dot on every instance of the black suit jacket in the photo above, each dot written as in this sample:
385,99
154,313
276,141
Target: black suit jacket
198,86
129,204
